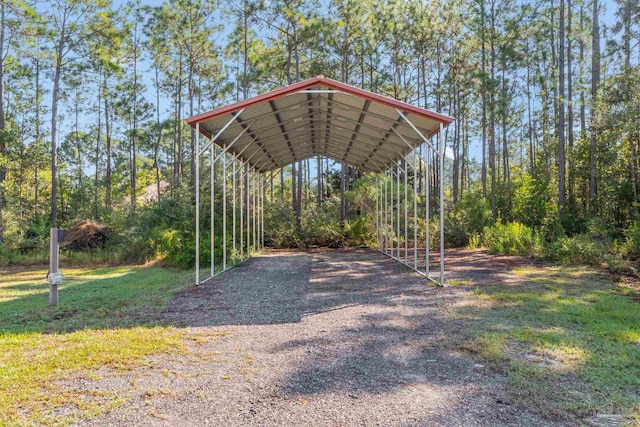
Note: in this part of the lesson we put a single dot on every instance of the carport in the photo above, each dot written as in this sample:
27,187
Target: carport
253,138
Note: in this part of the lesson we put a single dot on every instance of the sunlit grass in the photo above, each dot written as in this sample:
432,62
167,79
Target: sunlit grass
566,337
107,319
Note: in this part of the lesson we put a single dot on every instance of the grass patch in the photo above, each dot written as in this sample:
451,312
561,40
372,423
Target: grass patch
107,320
567,338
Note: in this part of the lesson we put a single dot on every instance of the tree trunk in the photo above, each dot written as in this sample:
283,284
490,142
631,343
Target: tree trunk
505,143
97,153
55,94
595,83
156,148
562,160
492,120
484,101
570,137
134,131
3,144
107,130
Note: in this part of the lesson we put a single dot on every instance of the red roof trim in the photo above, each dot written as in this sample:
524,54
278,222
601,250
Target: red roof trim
317,82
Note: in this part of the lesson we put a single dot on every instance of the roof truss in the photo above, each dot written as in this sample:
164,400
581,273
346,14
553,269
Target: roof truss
319,117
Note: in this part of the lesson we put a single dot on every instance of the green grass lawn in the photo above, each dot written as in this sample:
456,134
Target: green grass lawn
106,318
568,339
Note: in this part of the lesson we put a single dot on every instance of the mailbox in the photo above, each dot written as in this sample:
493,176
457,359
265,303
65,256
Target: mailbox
61,234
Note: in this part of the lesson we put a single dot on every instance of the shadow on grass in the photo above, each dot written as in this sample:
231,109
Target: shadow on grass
88,299
564,335
566,342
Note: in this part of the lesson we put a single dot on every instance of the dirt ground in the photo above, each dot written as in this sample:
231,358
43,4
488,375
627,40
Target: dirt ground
322,338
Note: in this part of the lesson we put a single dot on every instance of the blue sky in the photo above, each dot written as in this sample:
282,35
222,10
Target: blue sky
608,19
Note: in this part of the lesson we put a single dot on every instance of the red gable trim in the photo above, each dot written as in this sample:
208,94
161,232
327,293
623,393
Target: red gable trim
316,83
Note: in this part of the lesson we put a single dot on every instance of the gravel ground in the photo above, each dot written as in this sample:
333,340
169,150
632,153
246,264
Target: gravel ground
320,338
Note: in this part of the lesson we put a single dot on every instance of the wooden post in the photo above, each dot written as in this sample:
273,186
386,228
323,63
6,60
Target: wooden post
53,266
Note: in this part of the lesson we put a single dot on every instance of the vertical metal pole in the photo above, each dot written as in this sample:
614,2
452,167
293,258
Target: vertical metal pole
427,197
53,265
379,218
255,240
377,212
398,209
197,151
260,189
442,142
248,178
391,247
406,213
233,192
241,184
212,192
224,212
387,187
415,211
262,193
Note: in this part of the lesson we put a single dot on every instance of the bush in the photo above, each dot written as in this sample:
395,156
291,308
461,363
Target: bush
579,249
470,216
513,238
474,241
535,205
630,247
358,232
281,230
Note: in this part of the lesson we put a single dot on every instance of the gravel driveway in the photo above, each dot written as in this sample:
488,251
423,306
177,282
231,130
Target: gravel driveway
320,338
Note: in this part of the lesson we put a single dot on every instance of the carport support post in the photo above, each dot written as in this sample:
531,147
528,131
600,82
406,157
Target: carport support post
197,151
253,212
264,183
406,213
427,190
442,142
233,192
212,193
390,216
392,231
224,212
398,208
415,210
241,184
248,182
377,213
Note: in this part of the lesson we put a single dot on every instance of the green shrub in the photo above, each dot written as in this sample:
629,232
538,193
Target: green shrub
579,249
358,232
512,238
321,228
456,230
630,248
474,241
281,230
534,205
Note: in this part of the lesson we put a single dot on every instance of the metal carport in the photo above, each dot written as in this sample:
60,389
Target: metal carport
321,117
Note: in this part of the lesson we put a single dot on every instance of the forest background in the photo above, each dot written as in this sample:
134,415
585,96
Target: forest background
542,156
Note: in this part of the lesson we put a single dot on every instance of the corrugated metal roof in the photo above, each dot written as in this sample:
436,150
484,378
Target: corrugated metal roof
323,117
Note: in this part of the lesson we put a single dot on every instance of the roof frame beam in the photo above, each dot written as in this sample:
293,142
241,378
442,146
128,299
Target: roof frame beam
368,141
279,120
356,131
383,140
330,151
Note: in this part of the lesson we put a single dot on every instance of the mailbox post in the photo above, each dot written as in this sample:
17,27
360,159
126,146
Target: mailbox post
54,277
